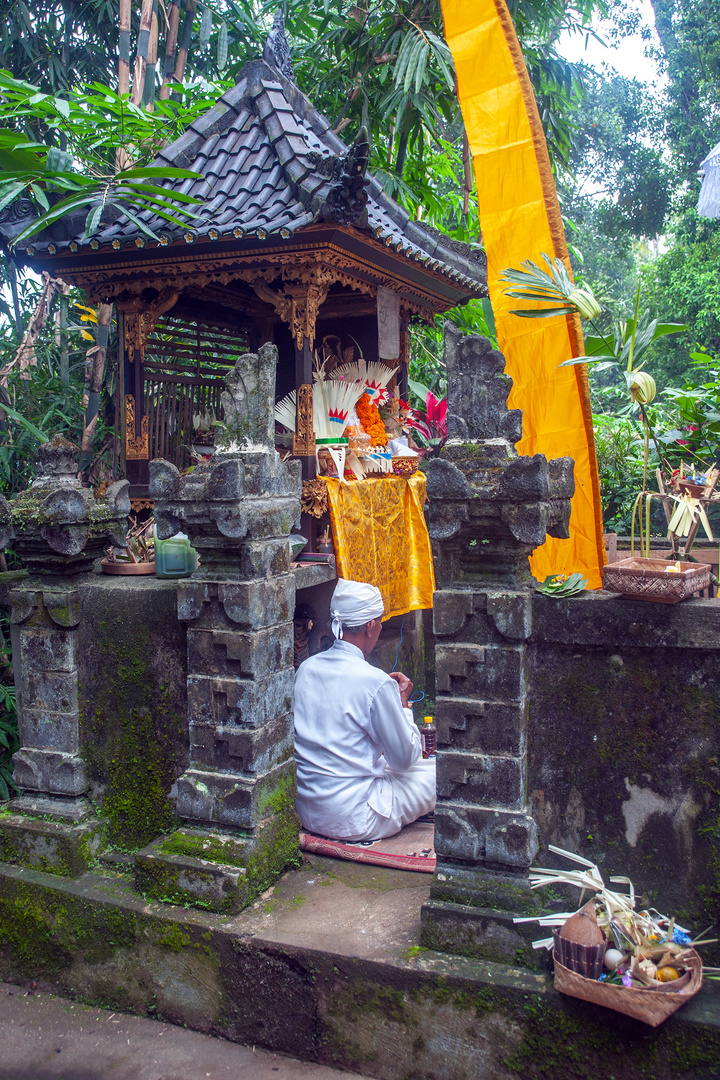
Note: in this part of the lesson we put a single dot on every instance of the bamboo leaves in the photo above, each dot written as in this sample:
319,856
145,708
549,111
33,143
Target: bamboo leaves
46,174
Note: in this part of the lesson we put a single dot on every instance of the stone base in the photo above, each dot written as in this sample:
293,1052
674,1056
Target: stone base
195,866
484,888
334,977
479,932
55,847
217,869
72,808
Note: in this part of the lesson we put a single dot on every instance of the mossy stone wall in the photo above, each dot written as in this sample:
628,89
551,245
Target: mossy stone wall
133,703
624,744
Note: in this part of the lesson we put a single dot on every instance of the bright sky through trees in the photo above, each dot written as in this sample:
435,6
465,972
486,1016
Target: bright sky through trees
626,56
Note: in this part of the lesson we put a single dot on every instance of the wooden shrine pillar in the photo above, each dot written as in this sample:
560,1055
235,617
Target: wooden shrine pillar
139,318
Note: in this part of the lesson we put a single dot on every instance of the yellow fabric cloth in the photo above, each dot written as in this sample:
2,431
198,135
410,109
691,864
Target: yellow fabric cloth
520,219
380,536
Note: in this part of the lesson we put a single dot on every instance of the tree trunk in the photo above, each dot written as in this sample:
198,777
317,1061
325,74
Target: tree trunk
25,357
94,377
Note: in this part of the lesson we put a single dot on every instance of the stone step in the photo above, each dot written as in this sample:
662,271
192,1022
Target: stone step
327,966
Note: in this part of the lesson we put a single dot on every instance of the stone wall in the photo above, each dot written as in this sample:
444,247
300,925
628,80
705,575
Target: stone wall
590,723
623,742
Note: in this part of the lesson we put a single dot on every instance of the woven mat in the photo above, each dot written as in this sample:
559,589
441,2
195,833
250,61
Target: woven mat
413,848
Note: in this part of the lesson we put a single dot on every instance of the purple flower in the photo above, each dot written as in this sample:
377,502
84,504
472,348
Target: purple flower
627,981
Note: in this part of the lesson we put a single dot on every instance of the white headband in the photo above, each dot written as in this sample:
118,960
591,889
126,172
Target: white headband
354,603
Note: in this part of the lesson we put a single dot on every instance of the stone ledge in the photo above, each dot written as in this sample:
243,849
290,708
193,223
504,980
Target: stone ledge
607,619
406,1012
55,847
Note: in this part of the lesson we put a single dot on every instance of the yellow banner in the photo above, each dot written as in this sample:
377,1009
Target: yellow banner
380,536
520,219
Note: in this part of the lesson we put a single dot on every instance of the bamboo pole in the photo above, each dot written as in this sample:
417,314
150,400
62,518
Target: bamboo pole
151,66
124,47
142,52
170,47
184,46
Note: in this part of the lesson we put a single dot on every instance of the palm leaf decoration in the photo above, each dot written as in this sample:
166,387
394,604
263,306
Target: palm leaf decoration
551,286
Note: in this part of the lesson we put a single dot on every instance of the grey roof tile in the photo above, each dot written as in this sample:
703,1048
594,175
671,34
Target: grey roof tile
251,151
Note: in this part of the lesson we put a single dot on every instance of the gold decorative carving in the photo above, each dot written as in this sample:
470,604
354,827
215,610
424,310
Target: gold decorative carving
137,447
320,265
297,305
142,504
304,437
141,319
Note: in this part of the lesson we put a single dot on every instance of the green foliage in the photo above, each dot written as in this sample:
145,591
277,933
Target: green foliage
93,124
44,407
685,282
695,410
689,32
625,182
426,343
619,449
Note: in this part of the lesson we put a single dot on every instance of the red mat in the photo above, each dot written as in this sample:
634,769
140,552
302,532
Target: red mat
413,848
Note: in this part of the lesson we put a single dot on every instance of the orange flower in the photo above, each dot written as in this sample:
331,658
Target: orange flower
370,420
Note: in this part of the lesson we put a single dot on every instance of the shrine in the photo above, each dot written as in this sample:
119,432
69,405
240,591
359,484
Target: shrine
292,242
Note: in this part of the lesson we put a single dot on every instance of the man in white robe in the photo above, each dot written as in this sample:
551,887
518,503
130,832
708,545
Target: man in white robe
359,766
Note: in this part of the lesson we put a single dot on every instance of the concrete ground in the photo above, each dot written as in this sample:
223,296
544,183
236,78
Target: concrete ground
43,1037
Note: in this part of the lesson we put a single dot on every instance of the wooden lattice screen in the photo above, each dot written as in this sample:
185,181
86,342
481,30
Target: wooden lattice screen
185,366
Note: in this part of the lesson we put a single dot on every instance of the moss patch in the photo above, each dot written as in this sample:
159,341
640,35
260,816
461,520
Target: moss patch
133,708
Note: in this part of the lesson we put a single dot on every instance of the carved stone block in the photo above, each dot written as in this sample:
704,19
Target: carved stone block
245,702
230,748
492,673
49,771
477,834
481,778
56,691
234,800
490,727
50,650
248,605
44,729
243,654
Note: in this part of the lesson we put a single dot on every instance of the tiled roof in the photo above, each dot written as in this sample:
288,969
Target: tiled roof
265,158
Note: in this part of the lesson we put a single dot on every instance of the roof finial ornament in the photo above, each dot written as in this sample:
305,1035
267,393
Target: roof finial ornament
277,49
346,200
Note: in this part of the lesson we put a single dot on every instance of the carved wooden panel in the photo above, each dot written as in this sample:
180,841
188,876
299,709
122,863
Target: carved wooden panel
304,437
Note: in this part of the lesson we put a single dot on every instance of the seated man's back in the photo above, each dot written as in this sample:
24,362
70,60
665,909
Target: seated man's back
357,749
349,722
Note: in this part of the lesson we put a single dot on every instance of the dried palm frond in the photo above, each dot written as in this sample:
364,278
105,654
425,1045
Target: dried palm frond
286,411
373,375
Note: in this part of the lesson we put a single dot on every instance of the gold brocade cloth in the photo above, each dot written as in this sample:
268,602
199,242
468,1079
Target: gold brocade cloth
380,537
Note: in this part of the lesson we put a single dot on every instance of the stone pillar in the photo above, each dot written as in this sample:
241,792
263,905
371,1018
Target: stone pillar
58,528
489,508
237,795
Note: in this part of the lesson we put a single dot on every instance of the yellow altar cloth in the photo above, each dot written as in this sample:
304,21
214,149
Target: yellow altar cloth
380,537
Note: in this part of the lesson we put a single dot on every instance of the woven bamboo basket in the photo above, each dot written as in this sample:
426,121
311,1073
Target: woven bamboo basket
651,1006
649,579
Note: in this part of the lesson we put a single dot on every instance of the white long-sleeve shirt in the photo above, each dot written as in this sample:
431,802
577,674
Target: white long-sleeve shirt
349,725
